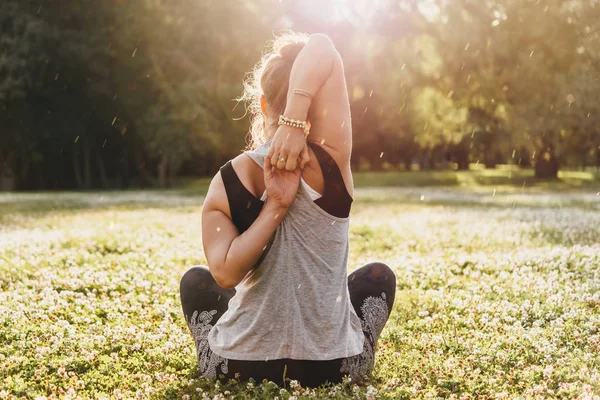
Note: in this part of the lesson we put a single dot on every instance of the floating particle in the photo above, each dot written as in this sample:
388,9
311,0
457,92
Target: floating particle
467,46
570,98
56,76
114,120
381,155
322,141
76,139
218,229
370,93
299,286
403,66
495,23
338,299
104,144
494,194
531,54
450,93
514,152
422,197
134,51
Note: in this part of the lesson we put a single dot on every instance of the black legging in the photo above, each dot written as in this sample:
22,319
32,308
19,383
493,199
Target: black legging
372,289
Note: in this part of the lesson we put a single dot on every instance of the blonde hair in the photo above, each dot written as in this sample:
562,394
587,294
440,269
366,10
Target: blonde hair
270,77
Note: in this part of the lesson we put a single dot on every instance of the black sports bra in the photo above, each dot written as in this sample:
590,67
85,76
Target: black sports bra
245,207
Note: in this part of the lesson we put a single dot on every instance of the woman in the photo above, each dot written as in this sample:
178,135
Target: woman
275,301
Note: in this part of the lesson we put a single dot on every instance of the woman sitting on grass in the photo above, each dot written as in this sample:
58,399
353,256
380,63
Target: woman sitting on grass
275,301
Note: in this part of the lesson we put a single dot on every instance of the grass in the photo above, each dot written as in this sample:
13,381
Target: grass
498,293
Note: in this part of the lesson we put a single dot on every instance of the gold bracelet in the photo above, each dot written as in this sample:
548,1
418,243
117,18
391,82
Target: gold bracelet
303,92
294,123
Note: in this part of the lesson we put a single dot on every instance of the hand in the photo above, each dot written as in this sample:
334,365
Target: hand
281,186
290,144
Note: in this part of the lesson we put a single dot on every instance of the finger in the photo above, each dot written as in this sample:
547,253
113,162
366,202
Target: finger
304,157
292,162
267,166
282,159
274,158
280,165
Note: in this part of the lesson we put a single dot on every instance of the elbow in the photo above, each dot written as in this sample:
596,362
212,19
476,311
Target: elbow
322,43
224,280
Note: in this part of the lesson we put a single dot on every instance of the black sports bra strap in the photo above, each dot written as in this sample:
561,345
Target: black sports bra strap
244,207
329,168
336,200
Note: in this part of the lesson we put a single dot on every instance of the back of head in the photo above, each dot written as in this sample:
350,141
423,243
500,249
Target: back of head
270,77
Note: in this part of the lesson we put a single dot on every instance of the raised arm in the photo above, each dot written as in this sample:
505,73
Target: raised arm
318,69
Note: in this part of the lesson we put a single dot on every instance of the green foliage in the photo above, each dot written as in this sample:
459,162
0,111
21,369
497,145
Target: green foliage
134,93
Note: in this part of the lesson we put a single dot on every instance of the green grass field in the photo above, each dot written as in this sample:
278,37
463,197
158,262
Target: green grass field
498,292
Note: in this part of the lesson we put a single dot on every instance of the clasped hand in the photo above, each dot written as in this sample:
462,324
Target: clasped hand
288,150
283,165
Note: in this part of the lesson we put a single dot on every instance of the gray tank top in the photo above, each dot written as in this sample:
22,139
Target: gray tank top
295,303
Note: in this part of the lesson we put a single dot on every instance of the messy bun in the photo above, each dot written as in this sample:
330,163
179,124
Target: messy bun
270,77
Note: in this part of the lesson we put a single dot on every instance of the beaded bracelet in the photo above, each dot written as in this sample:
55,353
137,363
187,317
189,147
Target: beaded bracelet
294,123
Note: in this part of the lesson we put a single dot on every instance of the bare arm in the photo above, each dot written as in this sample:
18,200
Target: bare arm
319,70
230,255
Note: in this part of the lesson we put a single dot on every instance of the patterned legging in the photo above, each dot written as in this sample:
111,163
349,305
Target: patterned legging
372,289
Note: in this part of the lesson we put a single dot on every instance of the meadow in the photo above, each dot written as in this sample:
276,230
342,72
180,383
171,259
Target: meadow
498,293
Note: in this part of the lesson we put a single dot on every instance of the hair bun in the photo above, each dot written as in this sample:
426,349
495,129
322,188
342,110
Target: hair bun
289,52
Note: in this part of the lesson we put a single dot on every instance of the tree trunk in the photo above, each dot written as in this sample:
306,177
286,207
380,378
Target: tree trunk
87,166
147,179
77,170
162,171
546,166
102,171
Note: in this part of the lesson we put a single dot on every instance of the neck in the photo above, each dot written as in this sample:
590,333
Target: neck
271,127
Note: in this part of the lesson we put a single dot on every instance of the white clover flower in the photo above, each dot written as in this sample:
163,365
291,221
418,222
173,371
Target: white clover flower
371,392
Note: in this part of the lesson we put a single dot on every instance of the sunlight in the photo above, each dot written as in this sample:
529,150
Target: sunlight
358,11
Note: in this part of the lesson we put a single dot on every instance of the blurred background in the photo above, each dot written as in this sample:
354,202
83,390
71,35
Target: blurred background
118,94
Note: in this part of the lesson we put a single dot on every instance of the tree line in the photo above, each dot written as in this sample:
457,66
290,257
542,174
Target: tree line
129,93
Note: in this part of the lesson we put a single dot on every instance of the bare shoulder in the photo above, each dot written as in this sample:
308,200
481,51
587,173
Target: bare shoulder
250,174
216,197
